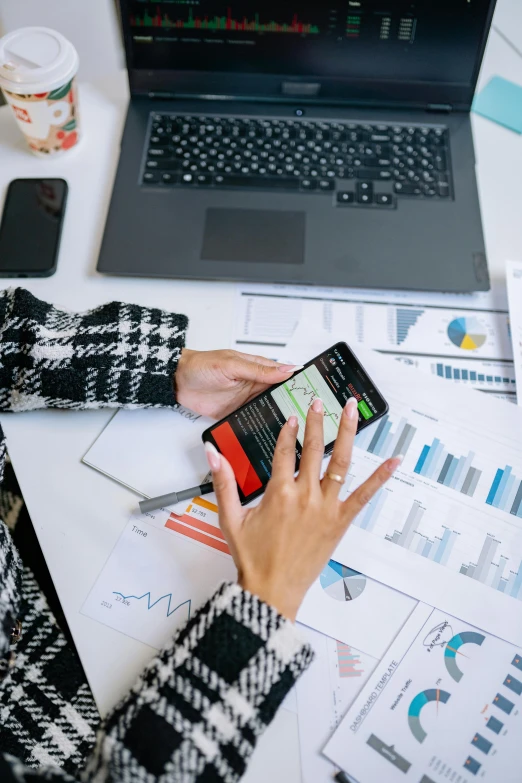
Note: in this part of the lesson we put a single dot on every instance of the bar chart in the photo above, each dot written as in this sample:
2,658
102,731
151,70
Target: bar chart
386,440
455,472
437,549
368,517
406,318
495,574
499,378
506,492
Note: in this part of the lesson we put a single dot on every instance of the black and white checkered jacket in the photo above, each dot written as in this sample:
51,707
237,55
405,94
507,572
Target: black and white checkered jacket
197,710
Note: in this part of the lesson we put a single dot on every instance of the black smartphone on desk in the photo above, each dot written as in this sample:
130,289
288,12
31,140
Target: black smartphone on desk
248,436
31,227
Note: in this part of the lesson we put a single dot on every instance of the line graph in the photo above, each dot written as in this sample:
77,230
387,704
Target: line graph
153,579
297,395
126,598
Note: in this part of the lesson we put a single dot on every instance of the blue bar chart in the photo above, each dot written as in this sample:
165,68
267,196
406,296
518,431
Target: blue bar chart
406,318
385,440
506,492
495,574
455,472
437,549
369,515
503,381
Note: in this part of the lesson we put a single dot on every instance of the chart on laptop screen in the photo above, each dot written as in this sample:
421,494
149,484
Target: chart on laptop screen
309,37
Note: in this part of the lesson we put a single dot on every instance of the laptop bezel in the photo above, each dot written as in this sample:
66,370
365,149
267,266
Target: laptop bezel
269,87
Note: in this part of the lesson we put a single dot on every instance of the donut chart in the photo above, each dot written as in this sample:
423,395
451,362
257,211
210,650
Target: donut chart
452,649
417,705
342,583
467,333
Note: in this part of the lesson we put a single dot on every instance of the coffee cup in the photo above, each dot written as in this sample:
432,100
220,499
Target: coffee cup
38,68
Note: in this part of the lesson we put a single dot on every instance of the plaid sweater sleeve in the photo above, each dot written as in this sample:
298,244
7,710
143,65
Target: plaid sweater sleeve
197,710
117,355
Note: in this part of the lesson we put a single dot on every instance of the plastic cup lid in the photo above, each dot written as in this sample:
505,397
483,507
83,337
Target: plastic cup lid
35,60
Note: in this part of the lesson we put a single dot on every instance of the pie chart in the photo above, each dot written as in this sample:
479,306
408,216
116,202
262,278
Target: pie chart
467,333
342,583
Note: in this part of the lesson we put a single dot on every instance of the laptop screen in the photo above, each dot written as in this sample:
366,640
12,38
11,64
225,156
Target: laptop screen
365,41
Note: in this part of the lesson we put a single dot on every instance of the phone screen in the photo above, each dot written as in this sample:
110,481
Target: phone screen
248,436
31,227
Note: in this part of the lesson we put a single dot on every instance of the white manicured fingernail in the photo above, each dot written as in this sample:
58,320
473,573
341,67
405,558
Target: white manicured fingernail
213,456
394,463
292,422
317,405
350,408
286,368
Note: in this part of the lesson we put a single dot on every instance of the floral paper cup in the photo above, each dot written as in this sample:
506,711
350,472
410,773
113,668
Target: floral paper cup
37,76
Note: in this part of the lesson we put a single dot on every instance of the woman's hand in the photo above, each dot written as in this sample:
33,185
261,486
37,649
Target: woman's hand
215,383
281,546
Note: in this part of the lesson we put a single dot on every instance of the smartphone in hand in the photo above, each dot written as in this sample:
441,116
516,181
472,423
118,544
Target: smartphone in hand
247,437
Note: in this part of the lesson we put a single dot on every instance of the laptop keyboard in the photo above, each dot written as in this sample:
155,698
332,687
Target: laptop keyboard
356,164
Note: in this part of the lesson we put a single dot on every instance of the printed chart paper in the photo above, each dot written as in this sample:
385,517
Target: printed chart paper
336,604
324,693
445,703
162,568
446,528
514,287
463,338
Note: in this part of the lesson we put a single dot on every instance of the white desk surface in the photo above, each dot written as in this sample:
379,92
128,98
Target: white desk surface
78,514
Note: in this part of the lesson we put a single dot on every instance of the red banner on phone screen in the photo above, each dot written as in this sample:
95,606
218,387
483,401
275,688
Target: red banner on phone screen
232,449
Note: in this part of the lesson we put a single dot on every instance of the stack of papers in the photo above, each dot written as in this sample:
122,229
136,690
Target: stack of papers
399,689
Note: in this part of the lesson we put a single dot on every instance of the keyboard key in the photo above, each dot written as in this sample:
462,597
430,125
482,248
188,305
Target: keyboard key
255,183
364,198
369,174
384,199
345,197
149,177
170,164
326,184
169,179
308,184
443,189
364,189
407,189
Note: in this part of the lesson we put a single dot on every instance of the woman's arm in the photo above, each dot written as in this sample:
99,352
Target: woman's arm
117,355
196,712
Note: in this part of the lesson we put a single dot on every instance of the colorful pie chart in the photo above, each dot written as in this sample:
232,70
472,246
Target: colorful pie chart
342,583
467,333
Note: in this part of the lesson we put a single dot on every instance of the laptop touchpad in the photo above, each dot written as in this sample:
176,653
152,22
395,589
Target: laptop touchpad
254,235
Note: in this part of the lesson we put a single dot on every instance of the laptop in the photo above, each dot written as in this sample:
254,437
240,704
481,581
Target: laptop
322,143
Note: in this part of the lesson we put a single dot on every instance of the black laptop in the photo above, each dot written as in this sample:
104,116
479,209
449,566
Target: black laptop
315,142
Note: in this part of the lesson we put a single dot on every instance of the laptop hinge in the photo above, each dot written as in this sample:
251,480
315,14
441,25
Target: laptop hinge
440,107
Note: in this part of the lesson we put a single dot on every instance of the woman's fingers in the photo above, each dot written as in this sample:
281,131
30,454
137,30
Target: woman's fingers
313,446
283,464
363,494
231,512
342,453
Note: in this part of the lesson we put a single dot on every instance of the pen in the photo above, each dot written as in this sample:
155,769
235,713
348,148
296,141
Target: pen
175,497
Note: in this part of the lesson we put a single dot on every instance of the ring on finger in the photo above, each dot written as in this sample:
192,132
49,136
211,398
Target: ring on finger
334,477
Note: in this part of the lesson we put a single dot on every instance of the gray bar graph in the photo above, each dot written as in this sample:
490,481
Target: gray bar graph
404,441
474,481
445,468
411,525
486,556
